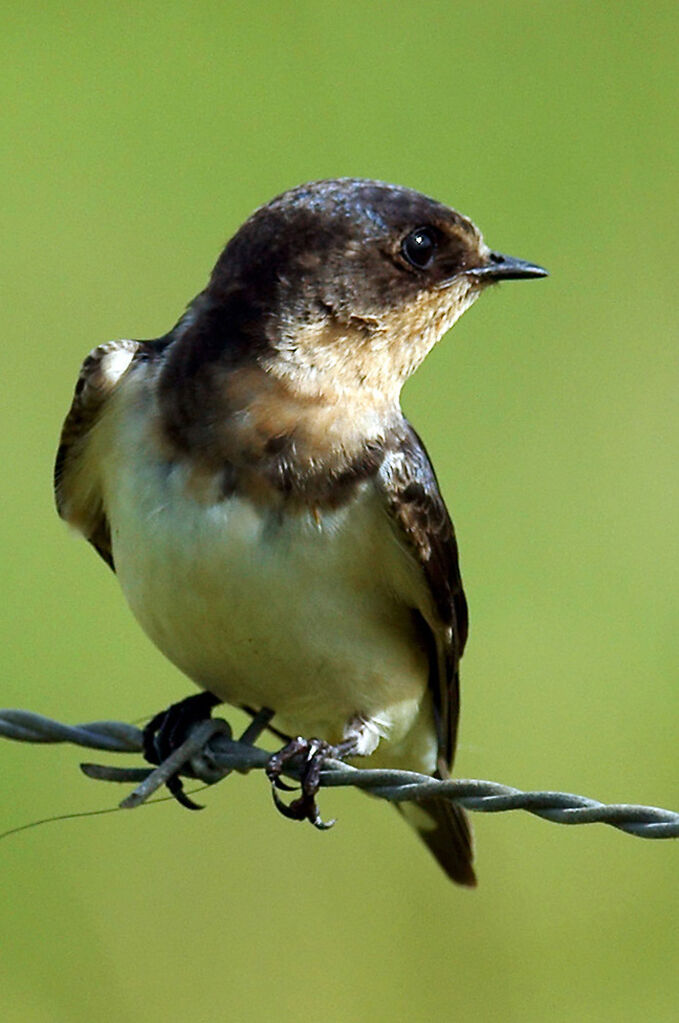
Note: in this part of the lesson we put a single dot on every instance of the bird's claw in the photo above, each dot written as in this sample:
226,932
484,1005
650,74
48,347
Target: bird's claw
283,786
176,787
168,730
304,808
301,809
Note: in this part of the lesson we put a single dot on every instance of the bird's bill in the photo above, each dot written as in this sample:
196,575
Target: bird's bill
505,268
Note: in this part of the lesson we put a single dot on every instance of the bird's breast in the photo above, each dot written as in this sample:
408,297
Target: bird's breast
305,611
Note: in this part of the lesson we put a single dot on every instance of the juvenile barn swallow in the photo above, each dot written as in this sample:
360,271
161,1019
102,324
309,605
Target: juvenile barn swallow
273,519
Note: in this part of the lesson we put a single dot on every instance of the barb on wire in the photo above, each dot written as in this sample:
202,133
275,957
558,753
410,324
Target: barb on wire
210,754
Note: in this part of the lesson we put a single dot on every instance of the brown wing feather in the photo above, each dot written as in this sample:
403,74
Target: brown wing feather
77,496
421,517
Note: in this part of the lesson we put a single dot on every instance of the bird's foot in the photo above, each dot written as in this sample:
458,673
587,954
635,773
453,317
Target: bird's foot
167,731
313,753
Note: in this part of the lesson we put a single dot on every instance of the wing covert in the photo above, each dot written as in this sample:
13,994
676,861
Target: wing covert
76,485
421,519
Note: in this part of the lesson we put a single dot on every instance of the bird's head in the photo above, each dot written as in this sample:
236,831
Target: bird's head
350,282
317,311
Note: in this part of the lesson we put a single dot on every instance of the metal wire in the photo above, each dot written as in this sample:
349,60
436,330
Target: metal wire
210,754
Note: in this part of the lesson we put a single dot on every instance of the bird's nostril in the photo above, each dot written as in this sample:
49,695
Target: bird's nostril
496,257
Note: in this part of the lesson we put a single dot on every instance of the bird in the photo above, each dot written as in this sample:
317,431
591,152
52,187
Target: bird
272,517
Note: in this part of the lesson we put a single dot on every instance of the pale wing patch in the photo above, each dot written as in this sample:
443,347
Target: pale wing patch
113,364
76,478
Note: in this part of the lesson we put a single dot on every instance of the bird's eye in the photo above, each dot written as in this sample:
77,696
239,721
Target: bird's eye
419,247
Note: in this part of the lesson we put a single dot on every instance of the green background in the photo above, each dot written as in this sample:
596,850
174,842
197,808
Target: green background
136,138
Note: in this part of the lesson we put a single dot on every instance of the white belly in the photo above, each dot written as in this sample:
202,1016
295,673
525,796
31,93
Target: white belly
311,618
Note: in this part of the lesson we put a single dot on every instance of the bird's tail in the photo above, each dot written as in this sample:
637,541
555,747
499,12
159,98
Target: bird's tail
446,831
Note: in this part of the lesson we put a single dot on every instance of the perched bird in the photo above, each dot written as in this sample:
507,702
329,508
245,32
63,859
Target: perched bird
272,517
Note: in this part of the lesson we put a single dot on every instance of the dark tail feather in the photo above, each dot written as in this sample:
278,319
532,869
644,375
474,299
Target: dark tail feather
445,830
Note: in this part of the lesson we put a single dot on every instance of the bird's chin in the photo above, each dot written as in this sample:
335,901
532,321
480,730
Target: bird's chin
460,292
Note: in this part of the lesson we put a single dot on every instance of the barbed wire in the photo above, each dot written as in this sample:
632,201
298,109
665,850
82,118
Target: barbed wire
211,753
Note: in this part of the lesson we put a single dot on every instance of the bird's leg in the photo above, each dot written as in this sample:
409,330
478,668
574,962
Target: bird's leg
314,752
260,722
167,731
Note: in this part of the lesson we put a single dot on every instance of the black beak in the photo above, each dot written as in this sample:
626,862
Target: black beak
506,268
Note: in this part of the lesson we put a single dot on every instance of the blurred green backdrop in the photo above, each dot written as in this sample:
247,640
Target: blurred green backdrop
136,138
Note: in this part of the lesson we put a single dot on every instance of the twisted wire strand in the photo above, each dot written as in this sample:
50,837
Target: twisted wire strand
210,754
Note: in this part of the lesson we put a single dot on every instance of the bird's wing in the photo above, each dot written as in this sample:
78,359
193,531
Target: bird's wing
76,482
421,521
422,524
